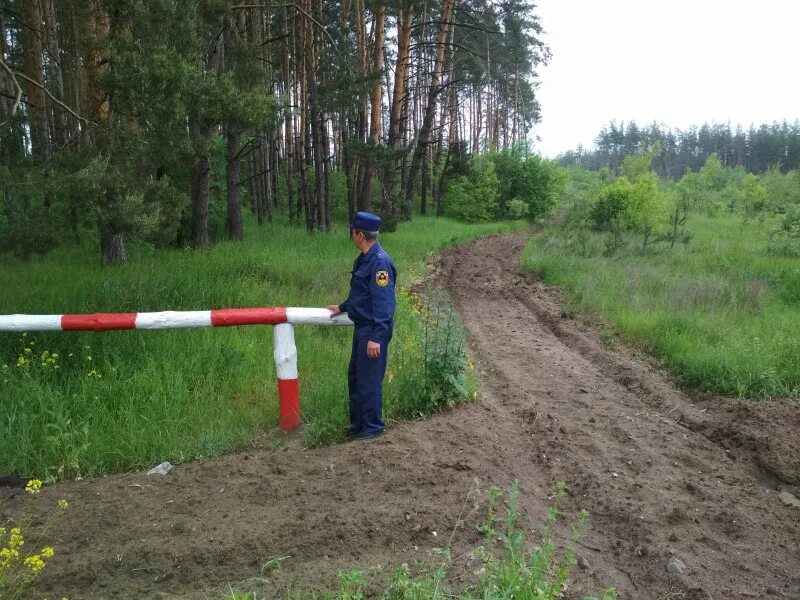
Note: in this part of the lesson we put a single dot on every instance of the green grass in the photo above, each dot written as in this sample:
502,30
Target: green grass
720,311
126,400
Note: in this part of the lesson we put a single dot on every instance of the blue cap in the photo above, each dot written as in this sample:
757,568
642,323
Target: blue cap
366,222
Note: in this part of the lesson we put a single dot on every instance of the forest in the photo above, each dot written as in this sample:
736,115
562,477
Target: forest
163,121
755,149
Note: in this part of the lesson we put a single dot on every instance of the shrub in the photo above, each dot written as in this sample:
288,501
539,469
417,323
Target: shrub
647,207
531,179
612,200
785,240
637,206
29,232
474,198
783,191
752,196
517,208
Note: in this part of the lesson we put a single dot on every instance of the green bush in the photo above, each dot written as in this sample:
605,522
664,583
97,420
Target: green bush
785,241
474,198
783,190
30,232
517,209
612,200
531,179
751,196
637,205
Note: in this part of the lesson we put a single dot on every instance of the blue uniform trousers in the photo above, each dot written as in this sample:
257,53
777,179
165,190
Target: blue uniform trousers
365,383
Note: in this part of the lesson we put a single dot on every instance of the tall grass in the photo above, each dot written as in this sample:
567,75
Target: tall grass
96,403
720,311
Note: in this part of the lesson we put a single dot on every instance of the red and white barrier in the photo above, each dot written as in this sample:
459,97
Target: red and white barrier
284,319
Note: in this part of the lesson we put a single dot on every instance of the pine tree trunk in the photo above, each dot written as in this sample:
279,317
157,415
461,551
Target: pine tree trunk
55,74
426,182
326,198
430,110
112,240
397,112
112,248
32,62
201,175
377,102
232,178
201,170
266,175
289,135
362,199
315,118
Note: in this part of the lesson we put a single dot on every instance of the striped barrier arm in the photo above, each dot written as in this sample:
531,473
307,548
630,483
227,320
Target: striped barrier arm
283,318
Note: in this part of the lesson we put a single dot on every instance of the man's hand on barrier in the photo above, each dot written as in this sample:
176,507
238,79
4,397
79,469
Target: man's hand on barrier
373,349
334,310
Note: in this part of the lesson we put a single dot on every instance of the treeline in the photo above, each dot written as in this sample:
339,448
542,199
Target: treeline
756,150
155,119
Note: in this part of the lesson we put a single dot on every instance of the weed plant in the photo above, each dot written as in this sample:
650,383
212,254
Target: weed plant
510,566
440,349
24,551
721,311
82,403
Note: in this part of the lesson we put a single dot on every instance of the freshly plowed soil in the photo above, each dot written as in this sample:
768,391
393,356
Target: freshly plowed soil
662,473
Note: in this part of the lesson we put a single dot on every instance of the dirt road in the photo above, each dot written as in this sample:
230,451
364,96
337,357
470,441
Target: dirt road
662,473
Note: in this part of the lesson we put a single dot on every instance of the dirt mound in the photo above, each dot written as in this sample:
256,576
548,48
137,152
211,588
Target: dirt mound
662,473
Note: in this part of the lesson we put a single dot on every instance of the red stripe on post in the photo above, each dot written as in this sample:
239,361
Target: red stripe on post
227,317
289,398
98,322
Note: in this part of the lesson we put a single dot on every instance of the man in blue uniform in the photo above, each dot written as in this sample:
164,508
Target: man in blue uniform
370,305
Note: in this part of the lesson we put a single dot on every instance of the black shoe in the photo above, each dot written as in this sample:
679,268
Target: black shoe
363,436
352,433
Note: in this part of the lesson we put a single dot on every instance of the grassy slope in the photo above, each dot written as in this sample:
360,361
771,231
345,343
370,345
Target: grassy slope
123,400
722,313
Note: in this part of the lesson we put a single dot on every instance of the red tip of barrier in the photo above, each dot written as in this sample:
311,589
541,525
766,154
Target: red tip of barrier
98,322
289,398
227,317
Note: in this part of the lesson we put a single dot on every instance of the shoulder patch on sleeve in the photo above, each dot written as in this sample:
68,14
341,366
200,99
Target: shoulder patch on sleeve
382,278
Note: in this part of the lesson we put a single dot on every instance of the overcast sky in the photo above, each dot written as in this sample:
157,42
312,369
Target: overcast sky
680,62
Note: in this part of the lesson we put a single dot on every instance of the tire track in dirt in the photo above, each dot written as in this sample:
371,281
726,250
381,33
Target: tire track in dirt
632,446
659,471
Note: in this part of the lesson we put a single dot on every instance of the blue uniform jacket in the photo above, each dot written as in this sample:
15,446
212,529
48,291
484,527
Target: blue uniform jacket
372,293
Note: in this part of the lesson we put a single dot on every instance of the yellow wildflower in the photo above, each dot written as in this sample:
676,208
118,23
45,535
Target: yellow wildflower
63,503
15,540
34,563
48,552
8,557
34,486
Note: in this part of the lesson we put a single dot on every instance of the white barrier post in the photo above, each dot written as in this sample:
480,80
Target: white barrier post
288,386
